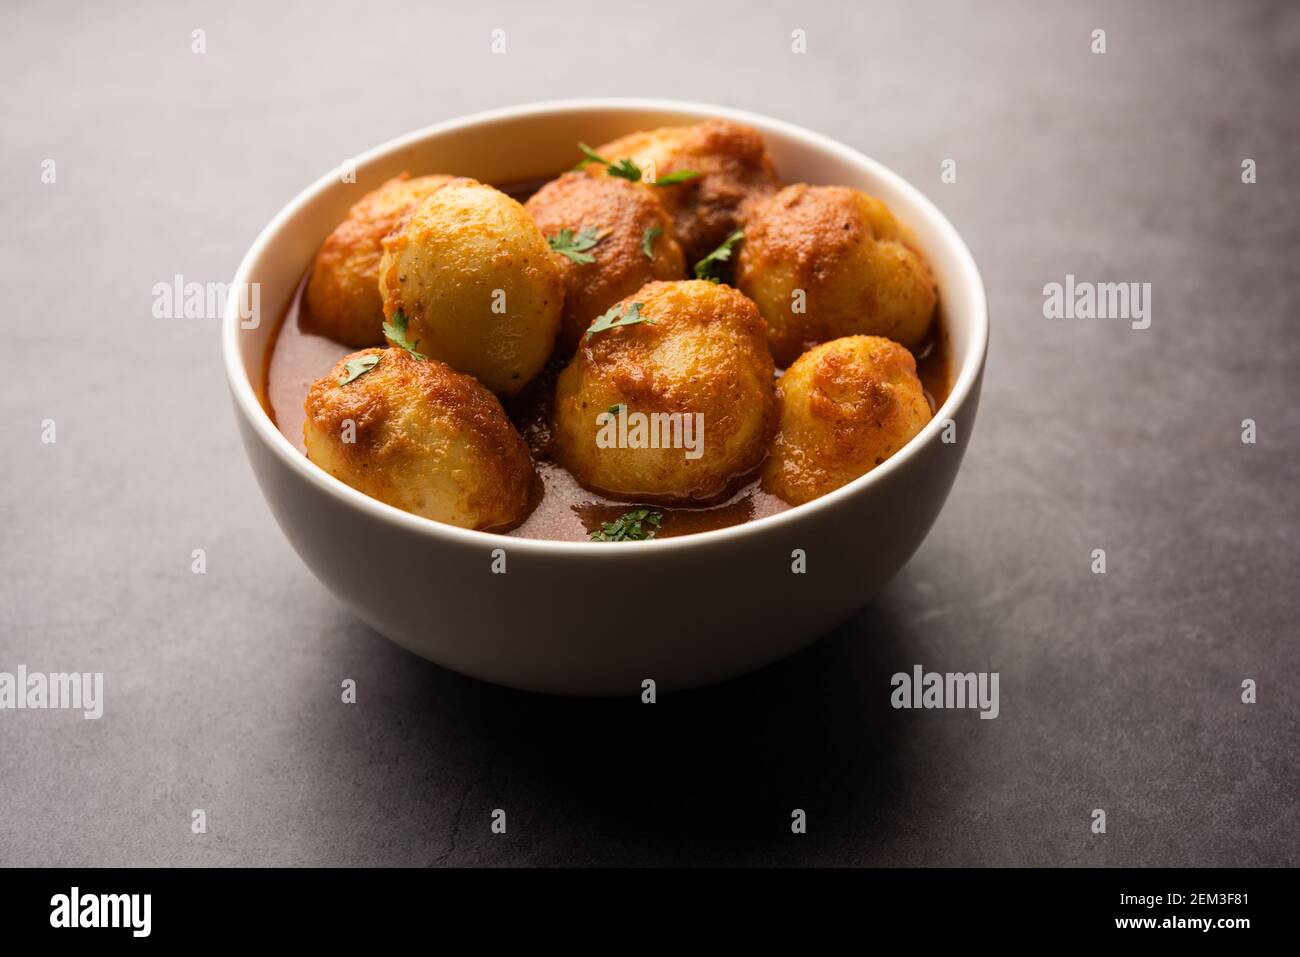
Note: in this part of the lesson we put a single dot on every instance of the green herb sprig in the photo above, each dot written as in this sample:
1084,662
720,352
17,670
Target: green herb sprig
706,268
591,156
648,241
395,330
575,247
629,527
359,367
627,169
611,319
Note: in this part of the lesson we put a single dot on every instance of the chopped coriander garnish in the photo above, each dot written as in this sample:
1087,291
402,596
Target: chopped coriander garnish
359,367
705,268
575,247
629,170
680,176
616,408
611,319
591,156
626,169
629,527
648,241
395,330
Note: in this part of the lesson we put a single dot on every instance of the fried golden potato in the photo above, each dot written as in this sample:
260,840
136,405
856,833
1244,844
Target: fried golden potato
628,221
734,171
678,408
343,299
422,437
475,284
839,256
845,407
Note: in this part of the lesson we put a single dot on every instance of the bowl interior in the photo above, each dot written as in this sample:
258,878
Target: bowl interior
532,142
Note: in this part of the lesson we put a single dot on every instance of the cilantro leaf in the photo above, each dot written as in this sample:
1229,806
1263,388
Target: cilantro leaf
648,241
706,268
680,176
395,330
611,319
575,247
591,156
626,169
629,527
359,367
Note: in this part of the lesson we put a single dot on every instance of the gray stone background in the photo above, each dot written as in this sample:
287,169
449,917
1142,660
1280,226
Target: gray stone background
1119,691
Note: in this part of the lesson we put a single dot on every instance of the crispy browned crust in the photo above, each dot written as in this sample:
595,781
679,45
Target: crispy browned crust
622,213
734,171
342,299
845,407
857,267
703,352
427,439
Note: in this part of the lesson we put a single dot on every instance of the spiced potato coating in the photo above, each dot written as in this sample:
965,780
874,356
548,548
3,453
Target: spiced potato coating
476,283
703,351
845,407
628,221
840,256
733,166
421,437
343,301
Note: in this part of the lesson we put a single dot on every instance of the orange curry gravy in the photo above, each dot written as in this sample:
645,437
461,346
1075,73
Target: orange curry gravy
566,511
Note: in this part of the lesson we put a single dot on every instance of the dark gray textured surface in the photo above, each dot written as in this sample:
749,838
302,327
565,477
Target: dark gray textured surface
1118,691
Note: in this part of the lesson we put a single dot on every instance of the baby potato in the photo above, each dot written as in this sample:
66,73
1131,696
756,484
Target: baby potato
422,437
845,407
343,299
840,256
733,166
627,220
677,408
475,285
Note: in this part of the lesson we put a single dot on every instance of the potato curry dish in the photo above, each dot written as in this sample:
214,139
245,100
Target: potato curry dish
665,339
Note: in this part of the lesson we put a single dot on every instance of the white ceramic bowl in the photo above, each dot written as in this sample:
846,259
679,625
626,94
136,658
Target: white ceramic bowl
590,618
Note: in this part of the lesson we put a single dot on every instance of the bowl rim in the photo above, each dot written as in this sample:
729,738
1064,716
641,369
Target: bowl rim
248,404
